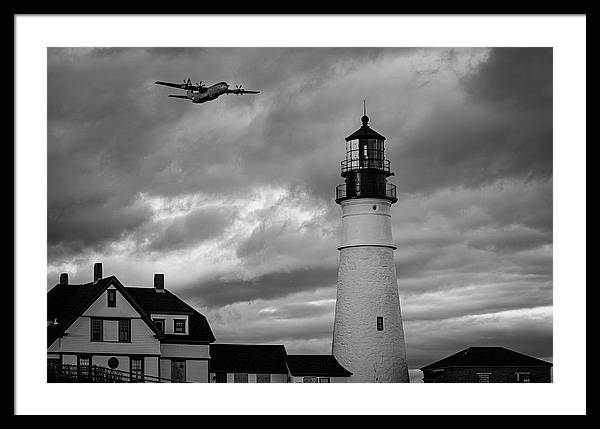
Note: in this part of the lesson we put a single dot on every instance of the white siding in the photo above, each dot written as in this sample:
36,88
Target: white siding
100,307
196,371
111,330
69,360
184,351
279,378
165,368
151,366
78,340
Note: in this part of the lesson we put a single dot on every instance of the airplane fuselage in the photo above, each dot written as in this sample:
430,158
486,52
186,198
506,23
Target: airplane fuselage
211,93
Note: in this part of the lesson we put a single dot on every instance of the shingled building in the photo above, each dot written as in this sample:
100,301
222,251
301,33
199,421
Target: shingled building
488,365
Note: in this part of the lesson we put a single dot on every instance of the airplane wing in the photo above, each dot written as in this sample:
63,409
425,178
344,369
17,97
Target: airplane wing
184,86
179,96
241,91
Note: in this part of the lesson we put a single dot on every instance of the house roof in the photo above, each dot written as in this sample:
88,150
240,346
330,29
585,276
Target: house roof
316,365
487,356
250,358
153,302
67,302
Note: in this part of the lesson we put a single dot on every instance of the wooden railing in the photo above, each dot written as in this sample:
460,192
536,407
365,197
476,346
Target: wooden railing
58,373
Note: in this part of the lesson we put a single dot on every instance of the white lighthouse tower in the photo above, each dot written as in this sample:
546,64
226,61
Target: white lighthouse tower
368,337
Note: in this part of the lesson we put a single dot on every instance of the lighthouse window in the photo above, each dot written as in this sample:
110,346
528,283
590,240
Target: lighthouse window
380,323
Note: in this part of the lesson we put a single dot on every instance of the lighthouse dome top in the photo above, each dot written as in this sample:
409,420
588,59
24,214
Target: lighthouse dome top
365,132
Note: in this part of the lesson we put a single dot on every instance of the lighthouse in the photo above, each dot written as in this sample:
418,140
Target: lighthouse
368,337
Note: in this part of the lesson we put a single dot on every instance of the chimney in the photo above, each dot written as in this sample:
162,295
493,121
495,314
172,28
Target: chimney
64,279
97,271
159,283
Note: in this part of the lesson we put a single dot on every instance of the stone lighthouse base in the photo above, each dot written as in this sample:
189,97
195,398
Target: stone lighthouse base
373,350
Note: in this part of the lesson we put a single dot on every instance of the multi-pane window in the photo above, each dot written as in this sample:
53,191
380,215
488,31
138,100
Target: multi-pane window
137,369
323,379
523,377
124,330
84,364
179,326
263,378
112,297
483,377
240,377
96,327
380,323
221,377
160,325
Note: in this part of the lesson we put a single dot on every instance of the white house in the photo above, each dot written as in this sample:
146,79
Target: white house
144,334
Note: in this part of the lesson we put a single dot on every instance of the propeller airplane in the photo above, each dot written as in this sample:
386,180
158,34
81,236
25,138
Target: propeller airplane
199,93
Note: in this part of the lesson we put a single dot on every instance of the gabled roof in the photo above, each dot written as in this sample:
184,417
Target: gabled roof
487,356
316,365
249,358
67,302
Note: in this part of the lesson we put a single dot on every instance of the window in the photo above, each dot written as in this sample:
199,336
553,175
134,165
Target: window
160,325
263,378
221,377
523,377
124,331
136,369
179,326
380,323
310,380
240,377
112,297
113,362
96,327
483,377
324,380
84,364
177,370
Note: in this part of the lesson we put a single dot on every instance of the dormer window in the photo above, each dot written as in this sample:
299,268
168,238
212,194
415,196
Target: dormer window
179,326
112,297
160,325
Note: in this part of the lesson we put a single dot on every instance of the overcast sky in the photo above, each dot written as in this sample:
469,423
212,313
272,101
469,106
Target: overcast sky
234,199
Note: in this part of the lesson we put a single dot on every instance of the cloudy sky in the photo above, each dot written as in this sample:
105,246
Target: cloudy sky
234,199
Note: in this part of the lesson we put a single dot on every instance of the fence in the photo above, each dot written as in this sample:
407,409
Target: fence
60,373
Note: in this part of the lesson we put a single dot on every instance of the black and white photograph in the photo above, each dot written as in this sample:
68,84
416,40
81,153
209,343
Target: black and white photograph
376,216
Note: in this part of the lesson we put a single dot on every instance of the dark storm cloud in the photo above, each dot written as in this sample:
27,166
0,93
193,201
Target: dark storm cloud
502,129
219,292
521,77
193,228
80,223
